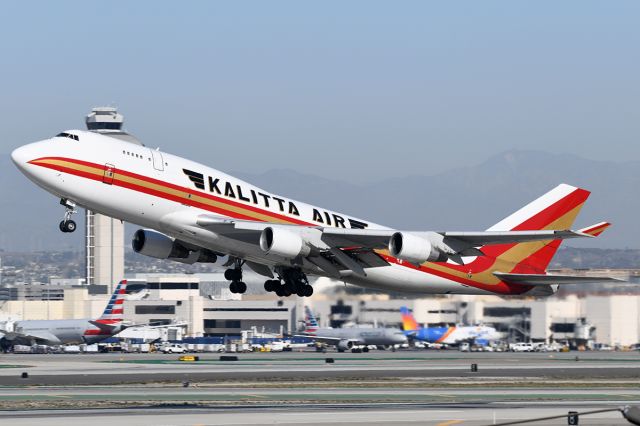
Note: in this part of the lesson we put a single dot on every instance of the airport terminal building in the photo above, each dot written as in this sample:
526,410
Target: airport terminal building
203,304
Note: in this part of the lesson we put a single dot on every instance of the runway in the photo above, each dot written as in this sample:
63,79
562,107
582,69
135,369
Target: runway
420,387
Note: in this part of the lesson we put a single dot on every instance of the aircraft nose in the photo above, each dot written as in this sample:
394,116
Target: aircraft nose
19,156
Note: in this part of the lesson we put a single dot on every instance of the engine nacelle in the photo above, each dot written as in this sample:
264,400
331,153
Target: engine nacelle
155,244
283,242
414,249
344,345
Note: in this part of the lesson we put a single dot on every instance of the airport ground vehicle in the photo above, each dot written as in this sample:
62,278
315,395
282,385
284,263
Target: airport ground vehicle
194,213
522,347
173,348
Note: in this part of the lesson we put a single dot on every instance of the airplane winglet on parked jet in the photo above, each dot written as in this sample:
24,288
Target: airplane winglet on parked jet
72,331
194,213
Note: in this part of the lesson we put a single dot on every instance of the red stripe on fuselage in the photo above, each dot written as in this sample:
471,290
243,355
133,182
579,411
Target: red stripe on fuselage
168,185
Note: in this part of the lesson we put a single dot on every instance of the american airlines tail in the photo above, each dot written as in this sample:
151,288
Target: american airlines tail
311,325
113,313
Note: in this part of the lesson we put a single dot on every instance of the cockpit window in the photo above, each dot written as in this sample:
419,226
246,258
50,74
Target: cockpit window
68,135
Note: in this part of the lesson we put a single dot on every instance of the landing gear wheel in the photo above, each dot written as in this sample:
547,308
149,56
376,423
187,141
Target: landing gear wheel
67,226
71,226
241,287
233,287
308,291
280,291
233,274
271,285
290,286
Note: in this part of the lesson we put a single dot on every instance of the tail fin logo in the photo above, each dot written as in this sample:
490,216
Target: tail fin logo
408,321
555,210
311,325
113,313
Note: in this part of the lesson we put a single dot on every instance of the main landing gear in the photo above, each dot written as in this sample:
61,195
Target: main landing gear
68,225
292,281
235,276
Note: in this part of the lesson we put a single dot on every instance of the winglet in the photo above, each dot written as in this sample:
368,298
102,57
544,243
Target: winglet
595,230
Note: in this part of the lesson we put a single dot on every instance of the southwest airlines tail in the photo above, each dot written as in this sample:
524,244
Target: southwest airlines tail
311,325
408,321
555,210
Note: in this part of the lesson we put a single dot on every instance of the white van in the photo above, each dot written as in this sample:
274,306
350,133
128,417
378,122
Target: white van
522,347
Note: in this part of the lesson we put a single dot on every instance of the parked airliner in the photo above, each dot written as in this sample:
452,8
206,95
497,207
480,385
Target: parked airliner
479,334
193,213
346,338
71,331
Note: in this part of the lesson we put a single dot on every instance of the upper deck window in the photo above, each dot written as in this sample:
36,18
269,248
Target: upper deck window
68,135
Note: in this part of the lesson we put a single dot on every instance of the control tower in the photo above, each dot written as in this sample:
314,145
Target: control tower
105,235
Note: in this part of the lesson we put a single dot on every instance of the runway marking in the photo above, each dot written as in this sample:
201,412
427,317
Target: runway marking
450,422
256,396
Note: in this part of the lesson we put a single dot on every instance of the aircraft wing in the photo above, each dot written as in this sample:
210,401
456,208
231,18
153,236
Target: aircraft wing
551,279
331,340
42,337
336,240
149,325
379,238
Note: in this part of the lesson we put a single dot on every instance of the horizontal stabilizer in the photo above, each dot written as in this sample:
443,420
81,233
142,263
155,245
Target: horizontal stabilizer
551,279
107,328
595,230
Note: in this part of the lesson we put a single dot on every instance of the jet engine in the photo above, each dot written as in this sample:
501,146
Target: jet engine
155,244
344,345
283,242
415,249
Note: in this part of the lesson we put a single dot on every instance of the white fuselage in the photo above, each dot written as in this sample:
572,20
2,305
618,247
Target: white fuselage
163,191
59,332
366,336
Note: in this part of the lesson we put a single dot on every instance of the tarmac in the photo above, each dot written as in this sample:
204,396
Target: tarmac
377,388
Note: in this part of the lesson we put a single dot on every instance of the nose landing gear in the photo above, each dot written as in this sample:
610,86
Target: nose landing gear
68,225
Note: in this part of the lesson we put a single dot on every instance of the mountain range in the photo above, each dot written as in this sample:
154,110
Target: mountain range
462,199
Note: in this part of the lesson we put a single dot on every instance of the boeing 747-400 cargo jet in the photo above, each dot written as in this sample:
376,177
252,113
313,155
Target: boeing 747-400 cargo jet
193,213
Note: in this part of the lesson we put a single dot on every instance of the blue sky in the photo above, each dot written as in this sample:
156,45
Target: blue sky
357,90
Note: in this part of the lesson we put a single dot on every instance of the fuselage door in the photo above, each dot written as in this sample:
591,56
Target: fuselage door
109,173
158,162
